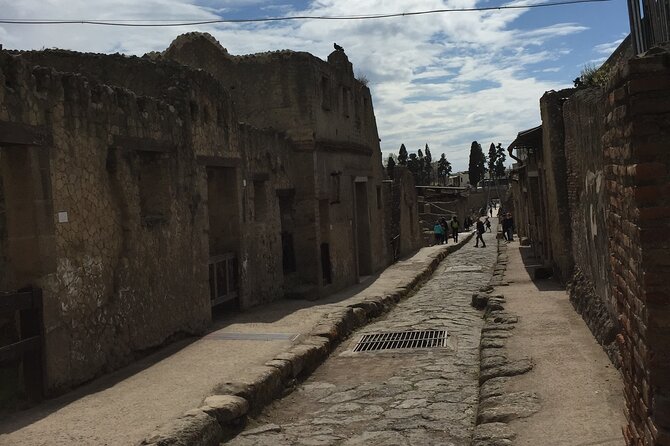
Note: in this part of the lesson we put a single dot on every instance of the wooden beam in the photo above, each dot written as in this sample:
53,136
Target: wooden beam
16,133
143,144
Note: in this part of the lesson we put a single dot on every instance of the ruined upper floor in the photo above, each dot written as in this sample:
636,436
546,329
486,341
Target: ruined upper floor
311,99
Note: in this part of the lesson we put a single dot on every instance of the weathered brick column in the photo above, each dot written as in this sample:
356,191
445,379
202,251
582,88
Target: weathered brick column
637,157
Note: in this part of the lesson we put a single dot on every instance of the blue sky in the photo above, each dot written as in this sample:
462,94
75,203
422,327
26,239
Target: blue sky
443,79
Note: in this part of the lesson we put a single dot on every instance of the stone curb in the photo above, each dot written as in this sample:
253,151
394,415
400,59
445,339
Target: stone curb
496,406
225,411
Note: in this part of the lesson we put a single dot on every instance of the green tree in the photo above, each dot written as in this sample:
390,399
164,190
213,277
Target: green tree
492,158
477,165
428,166
443,169
390,166
402,155
500,161
421,168
413,167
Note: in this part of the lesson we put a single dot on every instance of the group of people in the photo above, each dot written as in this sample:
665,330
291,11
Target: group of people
443,228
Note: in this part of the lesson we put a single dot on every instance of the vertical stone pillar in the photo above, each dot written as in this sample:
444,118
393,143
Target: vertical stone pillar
637,159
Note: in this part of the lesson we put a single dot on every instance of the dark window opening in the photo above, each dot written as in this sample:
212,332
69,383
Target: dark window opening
287,226
260,201
194,110
325,264
288,252
335,178
379,197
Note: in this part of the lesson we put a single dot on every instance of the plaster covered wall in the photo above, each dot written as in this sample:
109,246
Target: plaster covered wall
126,269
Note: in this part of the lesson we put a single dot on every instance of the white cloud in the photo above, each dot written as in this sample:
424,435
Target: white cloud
445,79
608,47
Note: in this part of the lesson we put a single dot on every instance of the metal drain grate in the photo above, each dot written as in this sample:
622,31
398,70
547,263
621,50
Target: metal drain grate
403,339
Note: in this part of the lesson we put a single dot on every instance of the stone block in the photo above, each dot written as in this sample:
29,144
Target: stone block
194,428
507,407
225,408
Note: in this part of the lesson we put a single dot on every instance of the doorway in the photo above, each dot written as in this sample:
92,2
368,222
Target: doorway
364,249
224,234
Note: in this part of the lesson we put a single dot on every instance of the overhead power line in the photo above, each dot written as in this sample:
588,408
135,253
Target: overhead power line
181,22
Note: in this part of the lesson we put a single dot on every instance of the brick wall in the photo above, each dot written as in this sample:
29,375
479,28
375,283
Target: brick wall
636,168
584,119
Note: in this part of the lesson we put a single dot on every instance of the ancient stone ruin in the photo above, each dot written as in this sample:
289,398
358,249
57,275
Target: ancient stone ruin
590,194
136,193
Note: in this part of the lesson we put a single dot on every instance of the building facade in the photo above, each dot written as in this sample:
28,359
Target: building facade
139,192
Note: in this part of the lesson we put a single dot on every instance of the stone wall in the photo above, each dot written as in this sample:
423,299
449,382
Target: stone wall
584,119
617,182
553,182
636,173
329,114
115,286
408,212
213,130
3,236
127,268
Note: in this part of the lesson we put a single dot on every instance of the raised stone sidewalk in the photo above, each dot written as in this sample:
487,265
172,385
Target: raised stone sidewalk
194,392
543,377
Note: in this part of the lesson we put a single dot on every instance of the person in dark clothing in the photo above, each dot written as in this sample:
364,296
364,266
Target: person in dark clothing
510,227
480,232
503,226
445,229
487,223
454,229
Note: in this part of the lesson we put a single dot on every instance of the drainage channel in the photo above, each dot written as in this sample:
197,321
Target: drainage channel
402,340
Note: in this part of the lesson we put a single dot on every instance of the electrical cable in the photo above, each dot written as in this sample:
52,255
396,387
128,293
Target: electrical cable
168,22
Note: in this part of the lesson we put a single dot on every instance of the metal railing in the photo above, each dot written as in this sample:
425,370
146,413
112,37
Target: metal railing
649,23
223,283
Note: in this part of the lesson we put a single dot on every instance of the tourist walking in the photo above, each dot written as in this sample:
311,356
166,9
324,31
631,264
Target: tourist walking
510,227
454,229
480,233
439,233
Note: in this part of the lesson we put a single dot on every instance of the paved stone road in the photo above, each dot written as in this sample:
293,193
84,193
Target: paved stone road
424,397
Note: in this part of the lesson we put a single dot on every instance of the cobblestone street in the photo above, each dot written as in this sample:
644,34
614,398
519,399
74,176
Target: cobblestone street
411,397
